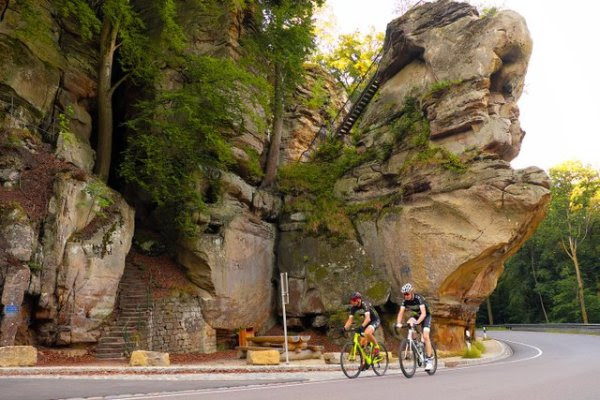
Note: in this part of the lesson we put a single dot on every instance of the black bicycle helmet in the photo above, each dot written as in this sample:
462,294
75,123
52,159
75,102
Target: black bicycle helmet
355,296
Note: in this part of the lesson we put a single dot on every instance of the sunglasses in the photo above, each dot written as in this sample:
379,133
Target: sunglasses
406,294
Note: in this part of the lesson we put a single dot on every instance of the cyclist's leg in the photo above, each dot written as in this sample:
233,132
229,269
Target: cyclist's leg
370,333
426,325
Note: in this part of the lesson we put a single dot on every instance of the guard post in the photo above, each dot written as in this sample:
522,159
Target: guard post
468,335
285,299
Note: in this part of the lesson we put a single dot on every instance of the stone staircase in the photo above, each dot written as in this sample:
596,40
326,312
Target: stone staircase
128,329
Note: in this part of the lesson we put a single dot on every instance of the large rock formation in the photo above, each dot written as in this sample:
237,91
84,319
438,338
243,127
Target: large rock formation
63,235
452,210
309,115
233,259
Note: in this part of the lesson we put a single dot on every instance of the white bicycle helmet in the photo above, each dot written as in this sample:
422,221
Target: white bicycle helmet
407,288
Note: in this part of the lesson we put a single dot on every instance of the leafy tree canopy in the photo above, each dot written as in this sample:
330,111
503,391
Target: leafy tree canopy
542,277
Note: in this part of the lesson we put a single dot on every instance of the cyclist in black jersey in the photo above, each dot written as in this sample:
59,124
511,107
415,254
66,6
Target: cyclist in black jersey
370,322
416,303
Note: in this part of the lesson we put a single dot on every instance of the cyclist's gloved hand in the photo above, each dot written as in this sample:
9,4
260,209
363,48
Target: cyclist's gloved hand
399,325
343,330
361,329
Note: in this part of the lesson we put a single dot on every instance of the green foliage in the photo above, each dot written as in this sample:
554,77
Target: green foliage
319,95
101,195
541,272
472,353
35,266
440,86
181,132
412,122
36,29
137,56
413,126
348,57
313,184
252,165
80,9
373,208
284,37
479,346
64,125
488,12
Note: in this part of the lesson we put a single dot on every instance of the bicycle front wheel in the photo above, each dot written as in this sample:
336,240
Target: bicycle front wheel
351,360
380,363
408,358
434,361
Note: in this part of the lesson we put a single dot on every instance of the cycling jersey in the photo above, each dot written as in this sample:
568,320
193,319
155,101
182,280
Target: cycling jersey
363,308
415,304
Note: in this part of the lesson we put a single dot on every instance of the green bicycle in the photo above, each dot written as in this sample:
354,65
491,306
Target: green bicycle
354,358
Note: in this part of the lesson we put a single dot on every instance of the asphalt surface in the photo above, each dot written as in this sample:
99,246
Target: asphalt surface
543,366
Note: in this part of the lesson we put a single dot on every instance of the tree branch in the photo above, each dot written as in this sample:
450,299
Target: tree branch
116,85
562,243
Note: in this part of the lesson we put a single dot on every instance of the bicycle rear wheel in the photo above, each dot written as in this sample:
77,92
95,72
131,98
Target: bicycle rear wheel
408,358
435,360
380,363
351,360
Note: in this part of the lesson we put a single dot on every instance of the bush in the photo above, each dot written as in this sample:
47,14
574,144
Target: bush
479,346
473,353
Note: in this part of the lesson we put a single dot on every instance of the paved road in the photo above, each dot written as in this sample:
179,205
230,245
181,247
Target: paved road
544,366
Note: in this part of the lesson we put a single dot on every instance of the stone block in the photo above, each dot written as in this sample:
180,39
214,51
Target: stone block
143,358
18,356
263,357
331,358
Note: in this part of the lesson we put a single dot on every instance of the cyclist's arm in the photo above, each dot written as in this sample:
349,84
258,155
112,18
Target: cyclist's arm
348,323
366,320
401,314
423,314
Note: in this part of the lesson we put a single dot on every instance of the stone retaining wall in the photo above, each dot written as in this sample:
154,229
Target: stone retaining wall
176,325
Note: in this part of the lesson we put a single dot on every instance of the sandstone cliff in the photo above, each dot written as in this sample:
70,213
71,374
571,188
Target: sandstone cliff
433,200
449,208
63,235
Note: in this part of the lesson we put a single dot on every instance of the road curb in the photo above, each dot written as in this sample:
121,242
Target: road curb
107,371
504,353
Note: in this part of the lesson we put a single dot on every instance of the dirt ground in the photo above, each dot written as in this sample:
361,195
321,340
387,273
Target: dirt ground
52,357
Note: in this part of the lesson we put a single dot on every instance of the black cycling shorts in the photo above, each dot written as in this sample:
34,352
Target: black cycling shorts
375,324
426,323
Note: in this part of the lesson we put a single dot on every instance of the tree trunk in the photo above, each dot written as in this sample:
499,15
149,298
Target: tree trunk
573,255
488,304
274,148
108,41
536,288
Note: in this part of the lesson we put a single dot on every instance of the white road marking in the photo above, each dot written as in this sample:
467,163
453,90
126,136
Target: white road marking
262,386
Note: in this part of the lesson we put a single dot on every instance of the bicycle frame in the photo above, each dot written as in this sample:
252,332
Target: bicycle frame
366,357
420,351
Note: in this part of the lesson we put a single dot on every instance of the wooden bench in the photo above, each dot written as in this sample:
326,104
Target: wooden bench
298,347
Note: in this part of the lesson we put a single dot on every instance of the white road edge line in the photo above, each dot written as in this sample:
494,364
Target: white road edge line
280,385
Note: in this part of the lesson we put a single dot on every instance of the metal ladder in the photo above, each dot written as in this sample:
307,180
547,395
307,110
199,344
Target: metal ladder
361,102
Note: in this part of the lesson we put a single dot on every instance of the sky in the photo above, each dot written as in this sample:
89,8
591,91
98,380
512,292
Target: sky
560,105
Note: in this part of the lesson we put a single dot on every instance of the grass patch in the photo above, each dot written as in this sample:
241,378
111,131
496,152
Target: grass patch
472,353
479,346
